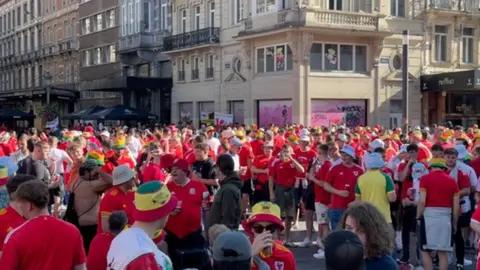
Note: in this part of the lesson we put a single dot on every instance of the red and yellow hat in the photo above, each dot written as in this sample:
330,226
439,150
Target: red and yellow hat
153,201
119,142
3,175
264,212
96,156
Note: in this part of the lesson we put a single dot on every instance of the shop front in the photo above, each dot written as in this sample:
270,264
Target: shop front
451,96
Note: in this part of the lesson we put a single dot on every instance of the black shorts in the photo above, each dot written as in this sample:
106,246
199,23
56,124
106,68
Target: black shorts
261,192
309,197
247,187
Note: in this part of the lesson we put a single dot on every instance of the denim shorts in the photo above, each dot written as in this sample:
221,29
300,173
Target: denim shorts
335,215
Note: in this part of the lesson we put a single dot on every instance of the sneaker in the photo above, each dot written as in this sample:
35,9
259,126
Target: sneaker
398,240
459,267
320,243
319,255
289,244
467,262
306,243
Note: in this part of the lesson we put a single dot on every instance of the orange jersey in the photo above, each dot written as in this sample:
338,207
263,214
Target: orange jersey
281,258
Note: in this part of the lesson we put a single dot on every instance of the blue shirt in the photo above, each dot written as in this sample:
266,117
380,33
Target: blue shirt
384,263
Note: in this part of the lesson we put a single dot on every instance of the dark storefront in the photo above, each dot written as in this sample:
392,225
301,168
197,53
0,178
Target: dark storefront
451,96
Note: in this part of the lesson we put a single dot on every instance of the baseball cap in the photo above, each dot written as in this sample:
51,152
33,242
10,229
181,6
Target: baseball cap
232,247
236,142
344,251
377,143
182,164
122,174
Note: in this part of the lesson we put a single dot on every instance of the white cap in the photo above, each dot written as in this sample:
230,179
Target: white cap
305,138
304,132
462,151
342,138
236,142
377,143
348,150
122,174
105,133
228,133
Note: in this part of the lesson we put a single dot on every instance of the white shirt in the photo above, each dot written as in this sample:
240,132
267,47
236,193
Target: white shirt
236,161
214,143
134,146
18,156
470,172
60,157
131,244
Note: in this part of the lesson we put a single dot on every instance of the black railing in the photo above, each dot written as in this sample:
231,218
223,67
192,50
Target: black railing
195,74
209,73
181,75
209,35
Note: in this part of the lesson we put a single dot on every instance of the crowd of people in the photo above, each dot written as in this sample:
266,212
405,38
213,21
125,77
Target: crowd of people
229,197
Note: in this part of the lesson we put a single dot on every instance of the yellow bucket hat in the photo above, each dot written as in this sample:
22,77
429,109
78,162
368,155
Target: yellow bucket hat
153,201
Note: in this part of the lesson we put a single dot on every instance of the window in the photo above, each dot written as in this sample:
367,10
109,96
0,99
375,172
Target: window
32,75
110,18
467,45
181,69
32,40
130,19
55,30
66,29
13,17
123,20
112,54
31,11
212,14
27,83
338,57
237,11
441,32
25,12
264,6
25,42
147,17
97,57
397,8
274,58
335,4
20,80
197,18
86,58
210,64
98,22
163,17
86,26
184,22
195,64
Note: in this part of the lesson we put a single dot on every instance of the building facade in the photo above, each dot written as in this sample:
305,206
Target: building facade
451,82
277,62
25,84
100,70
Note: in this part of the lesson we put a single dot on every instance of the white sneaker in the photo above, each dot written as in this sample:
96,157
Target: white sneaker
320,243
306,243
319,255
398,240
467,262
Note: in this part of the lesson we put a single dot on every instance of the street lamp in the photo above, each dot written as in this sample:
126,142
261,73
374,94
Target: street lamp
47,77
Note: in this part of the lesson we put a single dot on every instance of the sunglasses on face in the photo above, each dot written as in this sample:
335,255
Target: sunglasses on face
258,229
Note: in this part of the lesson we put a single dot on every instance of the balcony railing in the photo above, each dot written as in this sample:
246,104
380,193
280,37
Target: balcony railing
209,35
195,75
67,46
181,75
141,40
210,72
454,5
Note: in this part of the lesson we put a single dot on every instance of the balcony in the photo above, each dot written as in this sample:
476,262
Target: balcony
67,46
205,36
314,18
472,6
141,41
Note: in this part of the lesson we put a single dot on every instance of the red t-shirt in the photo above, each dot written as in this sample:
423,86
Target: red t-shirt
281,258
97,254
189,219
262,162
440,189
244,155
304,158
43,243
9,220
321,195
424,154
476,219
408,182
115,200
176,151
283,172
191,158
475,164
7,149
463,180
257,147
339,177
153,172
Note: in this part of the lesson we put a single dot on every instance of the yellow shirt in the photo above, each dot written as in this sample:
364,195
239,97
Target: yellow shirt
374,187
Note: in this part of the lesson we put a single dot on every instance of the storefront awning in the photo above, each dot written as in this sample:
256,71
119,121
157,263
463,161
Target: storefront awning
451,81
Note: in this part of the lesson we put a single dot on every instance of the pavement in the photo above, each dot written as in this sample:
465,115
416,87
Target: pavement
304,256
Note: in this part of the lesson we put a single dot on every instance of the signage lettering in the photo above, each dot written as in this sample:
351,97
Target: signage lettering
446,81
463,108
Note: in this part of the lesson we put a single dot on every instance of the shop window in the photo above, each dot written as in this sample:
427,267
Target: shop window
468,45
274,58
441,34
338,57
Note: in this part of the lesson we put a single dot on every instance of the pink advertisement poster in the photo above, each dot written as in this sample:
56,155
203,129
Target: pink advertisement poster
277,112
351,113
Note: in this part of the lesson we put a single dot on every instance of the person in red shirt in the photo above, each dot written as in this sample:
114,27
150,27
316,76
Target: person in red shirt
184,226
190,156
175,147
424,154
263,228
340,182
257,144
438,210
260,168
245,157
43,242
317,174
152,170
11,216
118,157
97,255
281,186
119,197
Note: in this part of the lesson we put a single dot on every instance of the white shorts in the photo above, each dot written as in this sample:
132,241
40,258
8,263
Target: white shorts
321,210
